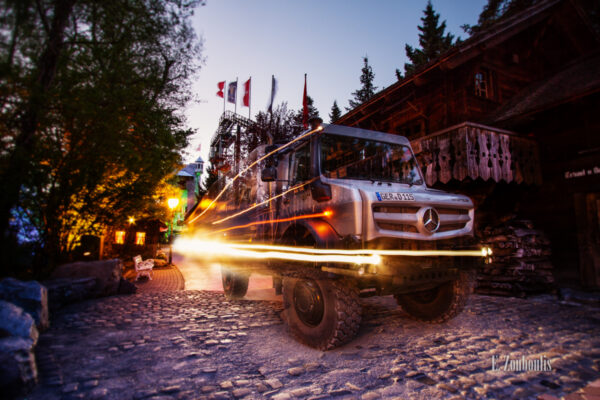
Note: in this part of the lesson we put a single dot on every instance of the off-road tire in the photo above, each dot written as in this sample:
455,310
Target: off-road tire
441,303
235,283
341,313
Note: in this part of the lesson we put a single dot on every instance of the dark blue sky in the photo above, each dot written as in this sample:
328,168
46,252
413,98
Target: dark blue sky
325,39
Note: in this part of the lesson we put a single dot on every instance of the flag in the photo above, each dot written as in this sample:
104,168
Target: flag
221,86
273,91
305,107
232,92
246,98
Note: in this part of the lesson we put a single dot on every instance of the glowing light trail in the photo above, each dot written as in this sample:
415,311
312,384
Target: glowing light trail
318,129
207,248
273,221
270,199
357,256
414,253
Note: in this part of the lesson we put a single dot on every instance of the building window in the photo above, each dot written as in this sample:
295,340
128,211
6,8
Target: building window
140,238
483,84
119,237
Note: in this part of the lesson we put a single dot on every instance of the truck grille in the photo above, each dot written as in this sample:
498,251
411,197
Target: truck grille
405,218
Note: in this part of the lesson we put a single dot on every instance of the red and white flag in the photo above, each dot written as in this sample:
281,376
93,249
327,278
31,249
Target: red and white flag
221,86
246,98
305,107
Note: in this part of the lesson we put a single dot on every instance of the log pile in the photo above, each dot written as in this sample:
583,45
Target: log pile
520,264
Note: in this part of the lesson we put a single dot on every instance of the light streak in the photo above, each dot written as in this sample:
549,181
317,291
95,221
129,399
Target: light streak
207,249
318,129
273,221
270,199
315,255
413,253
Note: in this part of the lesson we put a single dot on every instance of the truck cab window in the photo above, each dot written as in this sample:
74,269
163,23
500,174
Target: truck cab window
300,165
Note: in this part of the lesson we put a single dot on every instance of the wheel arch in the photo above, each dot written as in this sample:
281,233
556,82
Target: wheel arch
320,231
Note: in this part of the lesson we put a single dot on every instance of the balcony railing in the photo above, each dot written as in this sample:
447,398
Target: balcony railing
474,151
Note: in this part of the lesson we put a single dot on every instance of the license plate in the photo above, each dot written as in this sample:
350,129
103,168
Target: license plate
393,196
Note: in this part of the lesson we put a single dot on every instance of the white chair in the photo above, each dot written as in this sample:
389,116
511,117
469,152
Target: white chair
143,267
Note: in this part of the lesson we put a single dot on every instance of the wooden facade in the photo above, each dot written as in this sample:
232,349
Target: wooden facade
510,117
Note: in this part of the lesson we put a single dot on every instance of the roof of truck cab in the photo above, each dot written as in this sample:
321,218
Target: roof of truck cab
364,134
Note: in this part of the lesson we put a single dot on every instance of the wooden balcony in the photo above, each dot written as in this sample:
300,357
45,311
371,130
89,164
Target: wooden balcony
474,151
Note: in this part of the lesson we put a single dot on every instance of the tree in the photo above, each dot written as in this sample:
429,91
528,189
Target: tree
432,39
497,10
312,112
336,113
211,177
367,90
399,75
92,127
280,125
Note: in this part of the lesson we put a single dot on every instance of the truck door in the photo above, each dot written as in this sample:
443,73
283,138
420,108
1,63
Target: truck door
299,201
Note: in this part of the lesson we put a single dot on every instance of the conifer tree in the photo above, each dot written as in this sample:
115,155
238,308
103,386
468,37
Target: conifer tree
399,74
336,113
496,10
312,112
367,90
432,39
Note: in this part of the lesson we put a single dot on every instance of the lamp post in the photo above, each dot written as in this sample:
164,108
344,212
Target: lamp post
173,203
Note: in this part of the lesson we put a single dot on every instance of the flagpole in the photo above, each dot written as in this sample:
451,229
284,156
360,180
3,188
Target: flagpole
236,88
224,96
250,97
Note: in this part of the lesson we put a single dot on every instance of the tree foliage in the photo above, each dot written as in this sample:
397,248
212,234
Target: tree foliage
335,113
367,89
433,41
312,113
495,11
211,177
90,93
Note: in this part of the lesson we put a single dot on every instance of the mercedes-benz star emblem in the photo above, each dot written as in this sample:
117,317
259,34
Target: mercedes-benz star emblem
431,220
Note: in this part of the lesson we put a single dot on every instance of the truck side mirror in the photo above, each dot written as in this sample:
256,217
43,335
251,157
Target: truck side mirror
268,174
320,191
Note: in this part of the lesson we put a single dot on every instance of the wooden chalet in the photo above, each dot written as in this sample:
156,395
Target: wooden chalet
511,117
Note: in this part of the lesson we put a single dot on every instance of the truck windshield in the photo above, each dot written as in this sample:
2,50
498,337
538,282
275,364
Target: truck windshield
354,158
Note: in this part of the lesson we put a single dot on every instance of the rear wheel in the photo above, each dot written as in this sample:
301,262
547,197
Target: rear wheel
440,303
235,283
321,313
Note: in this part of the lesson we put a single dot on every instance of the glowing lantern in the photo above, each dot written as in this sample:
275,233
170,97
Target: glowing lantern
173,203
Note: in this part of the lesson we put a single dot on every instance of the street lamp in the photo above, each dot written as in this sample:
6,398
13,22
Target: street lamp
173,203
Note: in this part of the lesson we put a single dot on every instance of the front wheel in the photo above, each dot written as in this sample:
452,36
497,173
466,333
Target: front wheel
321,313
440,303
235,284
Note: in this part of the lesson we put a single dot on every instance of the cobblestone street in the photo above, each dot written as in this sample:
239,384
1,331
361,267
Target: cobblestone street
195,344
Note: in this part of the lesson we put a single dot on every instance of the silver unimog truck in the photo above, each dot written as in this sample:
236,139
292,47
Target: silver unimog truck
351,191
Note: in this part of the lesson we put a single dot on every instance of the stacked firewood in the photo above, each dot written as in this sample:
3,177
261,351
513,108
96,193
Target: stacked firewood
520,264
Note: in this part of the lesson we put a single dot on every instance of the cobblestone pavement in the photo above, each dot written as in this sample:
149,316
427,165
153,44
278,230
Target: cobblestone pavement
195,344
164,279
